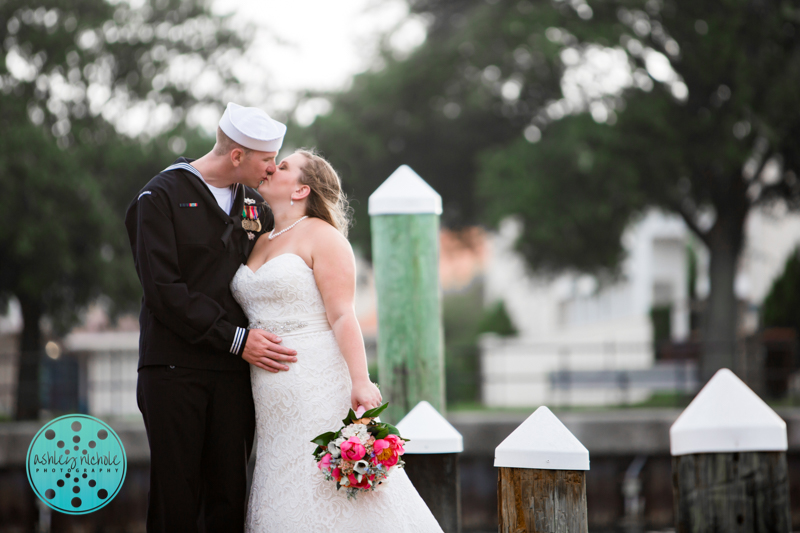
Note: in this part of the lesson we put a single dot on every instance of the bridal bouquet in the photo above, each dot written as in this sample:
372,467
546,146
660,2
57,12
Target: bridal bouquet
361,454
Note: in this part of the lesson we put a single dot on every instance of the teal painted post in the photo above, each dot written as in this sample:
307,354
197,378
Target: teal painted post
404,213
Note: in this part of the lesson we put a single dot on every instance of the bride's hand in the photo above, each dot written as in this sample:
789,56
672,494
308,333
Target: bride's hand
366,394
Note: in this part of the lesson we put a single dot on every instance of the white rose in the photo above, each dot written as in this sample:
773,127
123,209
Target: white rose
333,448
354,429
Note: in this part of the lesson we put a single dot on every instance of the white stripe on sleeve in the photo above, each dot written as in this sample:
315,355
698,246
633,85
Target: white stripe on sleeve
237,340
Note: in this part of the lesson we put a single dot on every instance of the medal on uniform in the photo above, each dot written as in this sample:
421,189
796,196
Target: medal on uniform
250,221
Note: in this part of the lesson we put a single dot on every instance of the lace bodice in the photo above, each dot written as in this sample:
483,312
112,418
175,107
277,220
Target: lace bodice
283,287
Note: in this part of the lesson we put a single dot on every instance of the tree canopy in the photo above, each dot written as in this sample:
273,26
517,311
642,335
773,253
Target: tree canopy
84,85
715,137
472,86
694,109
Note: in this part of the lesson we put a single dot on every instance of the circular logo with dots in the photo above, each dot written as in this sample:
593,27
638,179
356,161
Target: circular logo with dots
76,464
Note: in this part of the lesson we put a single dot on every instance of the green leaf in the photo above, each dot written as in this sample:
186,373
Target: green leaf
383,429
372,413
393,430
351,417
324,439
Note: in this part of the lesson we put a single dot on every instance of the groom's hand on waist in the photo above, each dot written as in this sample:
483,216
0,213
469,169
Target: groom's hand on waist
263,349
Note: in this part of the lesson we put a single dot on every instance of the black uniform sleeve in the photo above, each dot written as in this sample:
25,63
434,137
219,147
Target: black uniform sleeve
192,315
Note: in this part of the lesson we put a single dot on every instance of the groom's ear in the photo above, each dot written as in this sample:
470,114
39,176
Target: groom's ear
237,155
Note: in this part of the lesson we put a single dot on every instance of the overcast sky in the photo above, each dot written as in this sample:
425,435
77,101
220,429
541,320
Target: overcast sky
315,44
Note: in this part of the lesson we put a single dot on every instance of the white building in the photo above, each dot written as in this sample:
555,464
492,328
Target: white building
571,323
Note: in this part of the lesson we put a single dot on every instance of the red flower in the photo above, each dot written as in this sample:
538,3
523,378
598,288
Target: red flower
363,484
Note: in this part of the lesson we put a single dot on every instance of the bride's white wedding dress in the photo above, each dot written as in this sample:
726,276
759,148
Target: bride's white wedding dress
289,493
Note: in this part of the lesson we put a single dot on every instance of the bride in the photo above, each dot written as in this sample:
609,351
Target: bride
299,282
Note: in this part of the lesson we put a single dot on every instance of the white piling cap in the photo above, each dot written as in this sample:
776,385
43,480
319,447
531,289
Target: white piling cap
429,431
542,442
727,416
405,193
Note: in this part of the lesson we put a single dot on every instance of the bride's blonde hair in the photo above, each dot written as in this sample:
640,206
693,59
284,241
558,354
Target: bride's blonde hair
327,200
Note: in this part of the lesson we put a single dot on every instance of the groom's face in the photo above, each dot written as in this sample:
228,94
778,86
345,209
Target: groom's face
256,166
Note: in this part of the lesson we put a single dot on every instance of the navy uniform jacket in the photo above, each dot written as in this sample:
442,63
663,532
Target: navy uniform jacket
187,250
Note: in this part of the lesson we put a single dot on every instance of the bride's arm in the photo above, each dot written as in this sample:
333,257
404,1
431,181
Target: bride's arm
335,273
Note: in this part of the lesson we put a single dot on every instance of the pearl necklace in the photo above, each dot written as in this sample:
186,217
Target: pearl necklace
272,233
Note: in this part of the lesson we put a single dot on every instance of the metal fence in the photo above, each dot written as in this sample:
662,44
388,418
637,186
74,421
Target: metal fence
101,383
519,373
515,372
9,369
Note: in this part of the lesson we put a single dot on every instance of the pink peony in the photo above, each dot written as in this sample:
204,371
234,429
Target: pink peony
396,443
388,457
352,449
325,462
379,445
388,450
337,473
385,454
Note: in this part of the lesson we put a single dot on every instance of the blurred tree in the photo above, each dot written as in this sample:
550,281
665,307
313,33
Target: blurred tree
782,305
700,117
77,78
461,318
714,134
52,234
497,320
570,192
481,75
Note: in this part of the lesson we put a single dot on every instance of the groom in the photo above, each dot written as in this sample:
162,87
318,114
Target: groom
190,228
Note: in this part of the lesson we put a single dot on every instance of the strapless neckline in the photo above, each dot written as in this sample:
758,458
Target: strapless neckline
283,287
275,259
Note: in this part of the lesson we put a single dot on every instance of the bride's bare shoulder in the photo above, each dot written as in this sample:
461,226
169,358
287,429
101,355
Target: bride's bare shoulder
324,231
327,240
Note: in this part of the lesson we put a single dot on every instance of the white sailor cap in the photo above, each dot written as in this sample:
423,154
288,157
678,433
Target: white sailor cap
252,128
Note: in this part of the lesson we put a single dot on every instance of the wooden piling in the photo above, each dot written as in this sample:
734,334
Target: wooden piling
739,492
541,484
437,481
404,213
432,462
729,469
541,501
